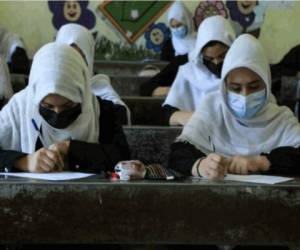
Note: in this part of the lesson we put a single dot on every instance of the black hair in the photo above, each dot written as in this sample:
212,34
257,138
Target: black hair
211,44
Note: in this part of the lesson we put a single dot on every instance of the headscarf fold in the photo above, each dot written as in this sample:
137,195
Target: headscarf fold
8,43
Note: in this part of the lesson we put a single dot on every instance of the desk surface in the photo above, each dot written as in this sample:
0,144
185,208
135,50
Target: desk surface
95,210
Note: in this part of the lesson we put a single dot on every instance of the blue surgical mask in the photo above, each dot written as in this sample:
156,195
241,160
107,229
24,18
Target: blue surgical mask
246,106
180,32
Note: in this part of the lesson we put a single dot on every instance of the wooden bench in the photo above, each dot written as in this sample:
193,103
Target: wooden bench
124,67
145,110
127,85
151,144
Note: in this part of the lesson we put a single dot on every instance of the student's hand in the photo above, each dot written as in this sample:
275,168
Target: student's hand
248,164
161,91
133,169
62,148
42,161
213,167
180,118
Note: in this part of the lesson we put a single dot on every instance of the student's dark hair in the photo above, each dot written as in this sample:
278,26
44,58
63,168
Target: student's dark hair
213,43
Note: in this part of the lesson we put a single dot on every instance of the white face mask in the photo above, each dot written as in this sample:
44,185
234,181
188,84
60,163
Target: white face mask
246,106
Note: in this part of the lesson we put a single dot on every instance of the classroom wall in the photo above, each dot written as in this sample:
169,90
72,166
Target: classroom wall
32,20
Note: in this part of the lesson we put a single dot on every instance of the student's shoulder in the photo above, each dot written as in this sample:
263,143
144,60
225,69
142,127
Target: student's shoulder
105,105
211,103
19,99
186,68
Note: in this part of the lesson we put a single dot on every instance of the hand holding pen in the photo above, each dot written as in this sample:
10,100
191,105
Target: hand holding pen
43,160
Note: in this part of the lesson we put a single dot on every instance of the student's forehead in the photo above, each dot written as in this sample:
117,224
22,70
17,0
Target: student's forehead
243,75
175,21
56,99
214,50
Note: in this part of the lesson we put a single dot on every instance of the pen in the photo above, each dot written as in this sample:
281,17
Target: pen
39,133
211,144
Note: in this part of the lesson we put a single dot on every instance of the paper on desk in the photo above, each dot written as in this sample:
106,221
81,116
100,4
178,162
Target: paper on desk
59,176
264,179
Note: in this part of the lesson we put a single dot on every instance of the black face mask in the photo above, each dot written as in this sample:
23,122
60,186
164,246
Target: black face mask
60,120
216,69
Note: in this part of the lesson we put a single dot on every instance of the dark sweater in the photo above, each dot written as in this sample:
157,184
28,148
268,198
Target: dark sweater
19,63
284,160
90,157
168,111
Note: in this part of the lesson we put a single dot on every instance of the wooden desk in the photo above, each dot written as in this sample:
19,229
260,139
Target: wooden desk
189,212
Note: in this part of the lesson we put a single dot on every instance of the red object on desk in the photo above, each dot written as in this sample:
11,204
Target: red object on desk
114,176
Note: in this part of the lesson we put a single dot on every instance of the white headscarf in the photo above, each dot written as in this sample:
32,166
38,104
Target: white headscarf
214,28
101,86
193,79
179,12
214,127
6,90
8,44
56,69
82,37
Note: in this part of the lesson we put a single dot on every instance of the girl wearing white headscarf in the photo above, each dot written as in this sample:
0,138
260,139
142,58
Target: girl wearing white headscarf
57,117
83,41
239,129
183,37
201,74
6,90
13,52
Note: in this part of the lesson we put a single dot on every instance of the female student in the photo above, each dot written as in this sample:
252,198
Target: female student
6,90
82,40
202,74
56,123
12,50
238,129
183,41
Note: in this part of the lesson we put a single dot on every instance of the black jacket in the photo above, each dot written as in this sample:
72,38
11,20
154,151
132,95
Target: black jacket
90,157
284,160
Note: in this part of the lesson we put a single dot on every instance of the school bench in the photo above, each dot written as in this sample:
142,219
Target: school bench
124,67
128,85
145,110
151,144
96,211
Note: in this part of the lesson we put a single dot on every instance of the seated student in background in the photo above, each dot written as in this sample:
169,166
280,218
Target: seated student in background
12,50
202,73
288,66
82,40
238,129
183,41
72,128
6,90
